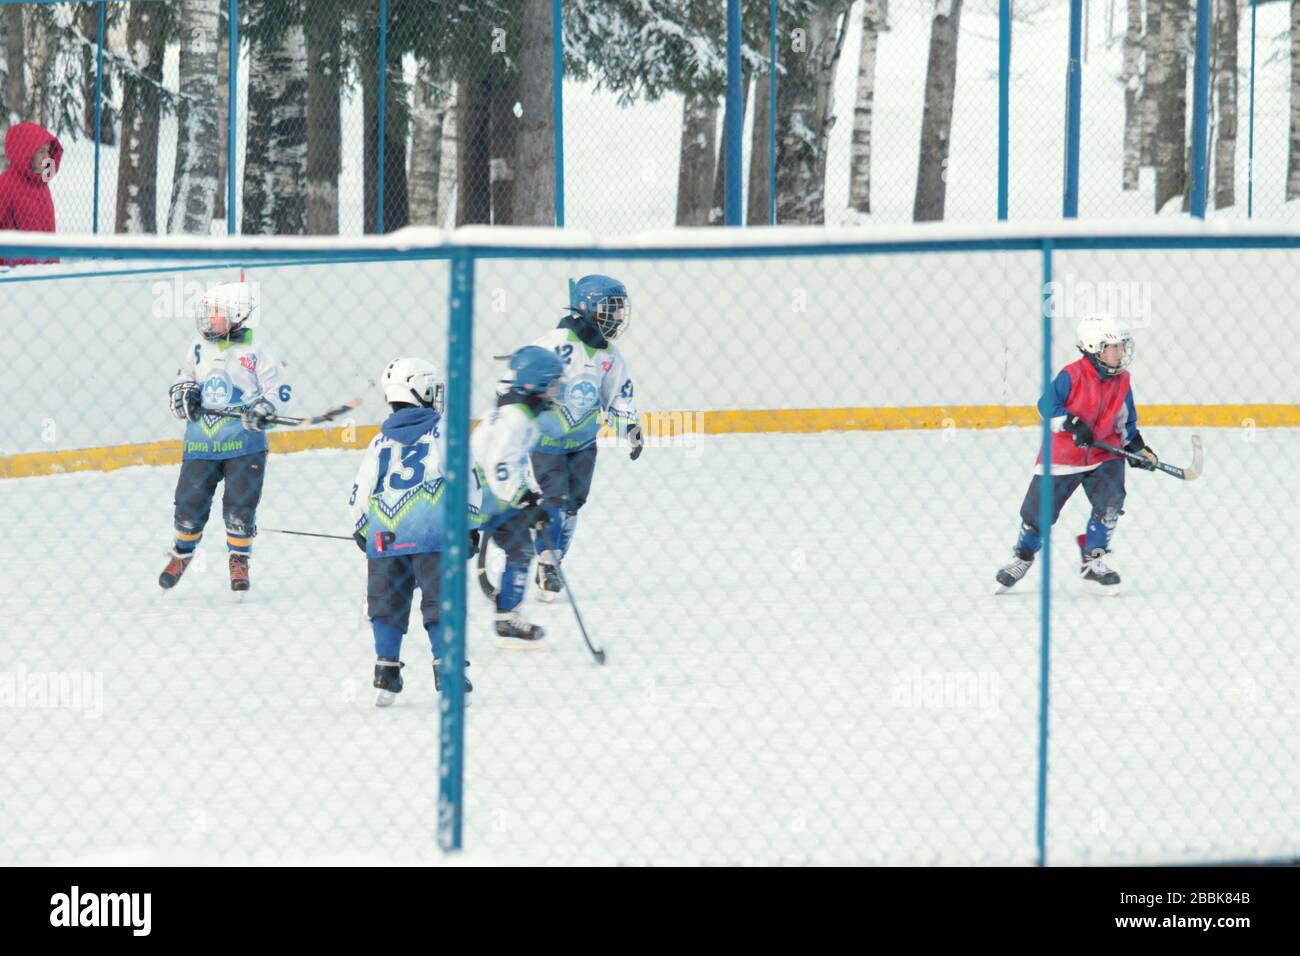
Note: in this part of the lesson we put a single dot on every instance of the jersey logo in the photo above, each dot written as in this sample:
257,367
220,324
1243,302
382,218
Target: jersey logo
249,362
605,364
581,397
217,389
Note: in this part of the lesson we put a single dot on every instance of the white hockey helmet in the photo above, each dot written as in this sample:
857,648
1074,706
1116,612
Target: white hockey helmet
1098,331
414,381
225,309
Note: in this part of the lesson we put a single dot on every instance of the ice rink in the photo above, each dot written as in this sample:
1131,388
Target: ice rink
806,665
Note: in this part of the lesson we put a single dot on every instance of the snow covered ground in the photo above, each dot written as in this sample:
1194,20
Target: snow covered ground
621,163
806,664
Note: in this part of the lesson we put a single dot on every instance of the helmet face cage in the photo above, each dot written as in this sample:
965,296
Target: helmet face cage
421,385
613,315
206,308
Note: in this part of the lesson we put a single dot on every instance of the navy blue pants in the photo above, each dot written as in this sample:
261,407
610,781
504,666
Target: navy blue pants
196,487
511,533
390,589
565,481
1104,486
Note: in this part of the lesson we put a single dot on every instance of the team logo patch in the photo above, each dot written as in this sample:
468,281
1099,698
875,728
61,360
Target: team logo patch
605,364
249,362
217,390
581,396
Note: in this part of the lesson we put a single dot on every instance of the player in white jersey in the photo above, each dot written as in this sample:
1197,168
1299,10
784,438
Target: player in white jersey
398,506
596,384
224,370
500,447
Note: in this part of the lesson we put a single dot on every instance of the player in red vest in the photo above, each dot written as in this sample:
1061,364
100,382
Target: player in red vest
1090,401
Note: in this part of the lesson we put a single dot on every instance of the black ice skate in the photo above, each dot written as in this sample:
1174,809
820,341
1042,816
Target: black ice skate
514,633
388,680
175,568
1011,574
239,572
437,680
1098,577
549,585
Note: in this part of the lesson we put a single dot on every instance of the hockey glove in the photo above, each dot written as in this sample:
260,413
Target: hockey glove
634,438
1138,447
256,416
1080,429
360,539
474,538
186,400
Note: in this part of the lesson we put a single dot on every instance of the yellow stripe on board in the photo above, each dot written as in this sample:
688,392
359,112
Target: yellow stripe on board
667,424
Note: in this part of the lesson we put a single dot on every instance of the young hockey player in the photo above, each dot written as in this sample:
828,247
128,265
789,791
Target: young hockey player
595,381
225,371
500,448
1090,401
396,504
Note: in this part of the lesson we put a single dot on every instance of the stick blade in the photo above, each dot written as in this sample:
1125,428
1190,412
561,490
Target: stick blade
1193,471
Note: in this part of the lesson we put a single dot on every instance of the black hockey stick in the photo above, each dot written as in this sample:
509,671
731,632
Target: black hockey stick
1190,473
596,652
310,534
329,416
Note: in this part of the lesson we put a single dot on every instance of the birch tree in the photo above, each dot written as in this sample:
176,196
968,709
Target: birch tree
137,164
1225,94
1293,153
1169,148
194,184
427,119
936,120
1132,79
325,67
534,164
758,199
863,105
805,112
13,88
89,64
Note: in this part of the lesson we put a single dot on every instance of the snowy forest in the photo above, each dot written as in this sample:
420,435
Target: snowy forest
874,118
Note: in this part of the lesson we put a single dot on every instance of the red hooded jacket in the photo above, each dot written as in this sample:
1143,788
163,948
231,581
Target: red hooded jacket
25,201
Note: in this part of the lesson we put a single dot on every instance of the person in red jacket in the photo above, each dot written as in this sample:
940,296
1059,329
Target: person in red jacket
34,155
1090,401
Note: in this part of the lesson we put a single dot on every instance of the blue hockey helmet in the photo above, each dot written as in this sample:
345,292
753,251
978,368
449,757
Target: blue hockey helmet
603,301
535,369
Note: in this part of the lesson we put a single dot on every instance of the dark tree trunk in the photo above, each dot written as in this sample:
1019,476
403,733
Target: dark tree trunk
89,63
760,159
324,130
137,166
275,158
936,121
696,159
396,124
534,195
505,142
474,194
1170,146
223,115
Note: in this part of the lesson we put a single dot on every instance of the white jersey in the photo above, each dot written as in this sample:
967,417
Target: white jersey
231,375
594,381
500,448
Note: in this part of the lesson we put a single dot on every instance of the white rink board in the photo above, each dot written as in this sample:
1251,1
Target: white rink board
775,693
794,332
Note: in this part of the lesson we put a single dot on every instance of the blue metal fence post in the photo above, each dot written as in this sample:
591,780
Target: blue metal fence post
734,122
232,110
1004,103
1073,92
451,620
1250,148
1201,109
99,103
557,80
771,121
383,92
1045,534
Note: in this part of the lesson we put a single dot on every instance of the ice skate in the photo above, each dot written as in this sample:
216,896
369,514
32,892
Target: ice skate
388,680
175,568
514,633
239,572
549,585
437,680
1097,576
1010,574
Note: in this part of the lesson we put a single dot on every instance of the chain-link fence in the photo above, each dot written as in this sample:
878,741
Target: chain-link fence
793,582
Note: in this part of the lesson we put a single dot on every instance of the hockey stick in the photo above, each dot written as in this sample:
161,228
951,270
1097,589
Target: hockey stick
596,652
489,589
329,416
1190,473
310,534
